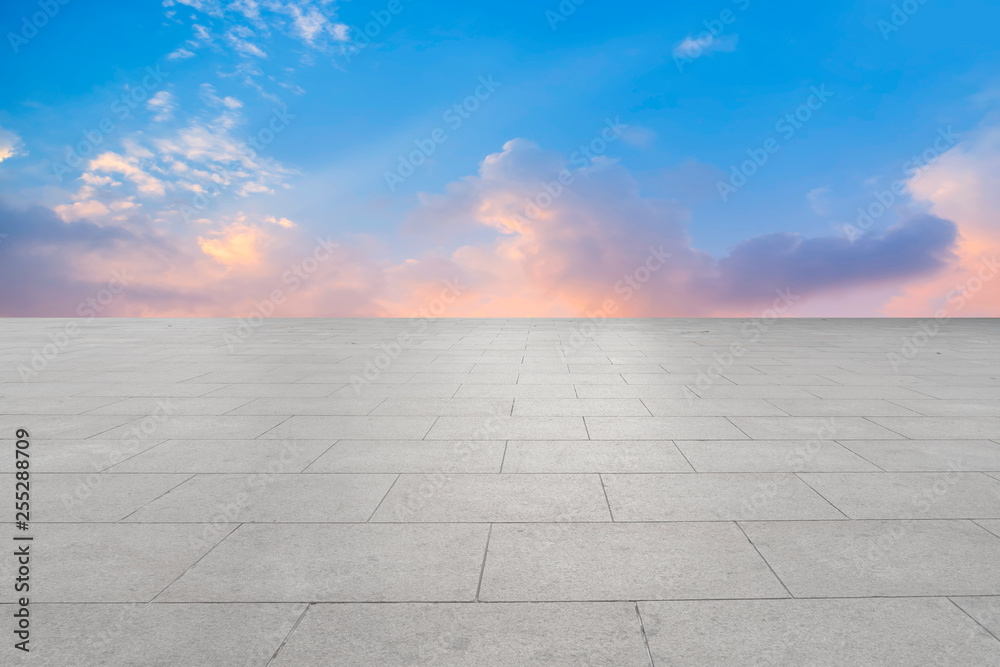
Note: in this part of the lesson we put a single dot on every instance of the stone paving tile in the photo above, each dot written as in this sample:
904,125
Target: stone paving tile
226,456
623,391
310,406
551,633
515,391
813,428
961,393
411,456
952,408
714,497
338,563
53,405
821,407
570,378
508,498
944,428
160,635
771,456
87,497
202,405
649,561
730,391
286,498
143,389
879,558
783,380
508,428
872,392
910,495
111,562
274,392
985,610
992,525
88,456
439,407
911,631
929,455
711,407
464,378
67,427
423,390
662,428
540,456
579,407
354,428
167,426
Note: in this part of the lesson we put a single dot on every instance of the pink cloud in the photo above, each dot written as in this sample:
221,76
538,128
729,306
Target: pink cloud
563,238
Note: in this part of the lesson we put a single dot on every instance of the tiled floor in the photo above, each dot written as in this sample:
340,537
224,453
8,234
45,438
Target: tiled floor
507,492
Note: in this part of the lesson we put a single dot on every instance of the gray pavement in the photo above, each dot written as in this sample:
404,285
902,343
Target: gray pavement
506,492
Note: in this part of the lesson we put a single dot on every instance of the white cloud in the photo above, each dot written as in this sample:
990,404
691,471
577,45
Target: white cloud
87,208
704,44
638,136
819,200
163,105
180,54
10,145
114,163
281,222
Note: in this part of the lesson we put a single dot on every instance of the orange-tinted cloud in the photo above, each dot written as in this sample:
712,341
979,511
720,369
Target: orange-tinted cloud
564,238
961,186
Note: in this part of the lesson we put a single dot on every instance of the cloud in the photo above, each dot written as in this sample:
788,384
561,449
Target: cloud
115,163
819,200
281,222
162,104
541,237
81,209
237,244
10,145
562,251
705,44
247,27
638,136
920,246
201,156
961,186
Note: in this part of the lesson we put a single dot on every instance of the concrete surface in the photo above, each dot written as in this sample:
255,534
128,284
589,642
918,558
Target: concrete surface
506,492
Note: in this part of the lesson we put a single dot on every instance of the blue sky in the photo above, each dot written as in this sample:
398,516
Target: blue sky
694,104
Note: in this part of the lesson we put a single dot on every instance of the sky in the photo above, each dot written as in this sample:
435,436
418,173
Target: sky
398,158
